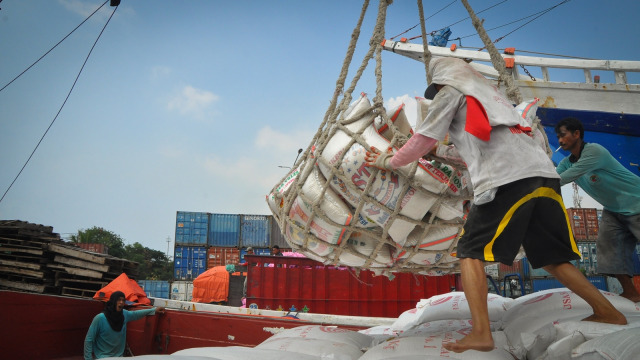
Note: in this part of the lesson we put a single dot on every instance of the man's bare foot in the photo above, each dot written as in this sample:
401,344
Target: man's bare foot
633,297
471,342
616,319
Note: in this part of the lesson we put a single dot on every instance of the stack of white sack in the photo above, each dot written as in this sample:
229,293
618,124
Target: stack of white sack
336,210
546,325
541,326
309,342
434,322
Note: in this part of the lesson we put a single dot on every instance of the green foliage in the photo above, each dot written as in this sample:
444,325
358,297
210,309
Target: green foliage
98,235
153,264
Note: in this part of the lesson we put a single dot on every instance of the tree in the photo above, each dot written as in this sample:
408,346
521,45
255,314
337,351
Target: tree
153,264
98,235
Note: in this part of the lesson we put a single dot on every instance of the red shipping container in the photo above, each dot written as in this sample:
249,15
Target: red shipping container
96,248
578,223
221,256
516,268
302,282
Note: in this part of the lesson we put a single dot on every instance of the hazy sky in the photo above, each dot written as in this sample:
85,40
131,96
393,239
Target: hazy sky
195,105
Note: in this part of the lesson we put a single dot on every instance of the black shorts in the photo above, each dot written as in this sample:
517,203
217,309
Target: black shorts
528,212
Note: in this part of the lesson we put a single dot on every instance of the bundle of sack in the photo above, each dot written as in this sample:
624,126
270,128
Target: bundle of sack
333,208
541,326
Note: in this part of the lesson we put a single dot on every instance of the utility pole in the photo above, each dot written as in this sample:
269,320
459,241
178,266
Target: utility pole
168,242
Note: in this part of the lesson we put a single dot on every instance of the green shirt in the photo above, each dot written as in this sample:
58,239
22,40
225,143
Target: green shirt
601,176
103,341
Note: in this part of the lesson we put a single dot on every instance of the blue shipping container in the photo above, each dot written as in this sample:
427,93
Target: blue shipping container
255,230
224,230
191,228
155,288
256,251
189,262
599,282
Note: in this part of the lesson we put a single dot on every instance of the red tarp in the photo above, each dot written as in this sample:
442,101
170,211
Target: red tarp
132,291
212,285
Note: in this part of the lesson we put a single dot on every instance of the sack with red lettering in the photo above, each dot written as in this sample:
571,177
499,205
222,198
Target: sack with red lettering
431,347
528,318
326,342
447,306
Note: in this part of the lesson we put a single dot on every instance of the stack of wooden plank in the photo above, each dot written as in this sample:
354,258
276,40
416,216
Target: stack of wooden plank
34,259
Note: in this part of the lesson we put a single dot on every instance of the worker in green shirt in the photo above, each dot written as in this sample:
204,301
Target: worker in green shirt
617,189
107,335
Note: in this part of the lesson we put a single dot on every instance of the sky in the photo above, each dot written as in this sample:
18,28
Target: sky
202,105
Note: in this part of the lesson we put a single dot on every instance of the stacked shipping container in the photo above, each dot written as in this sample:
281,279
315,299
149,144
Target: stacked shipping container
584,223
205,240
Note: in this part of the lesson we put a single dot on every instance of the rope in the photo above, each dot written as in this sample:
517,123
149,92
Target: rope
512,91
426,54
334,121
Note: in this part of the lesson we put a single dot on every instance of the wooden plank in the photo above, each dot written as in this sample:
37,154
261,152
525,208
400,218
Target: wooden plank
22,272
22,286
79,253
23,250
78,292
20,264
77,271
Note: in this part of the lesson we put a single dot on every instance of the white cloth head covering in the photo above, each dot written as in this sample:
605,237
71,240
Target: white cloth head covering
464,78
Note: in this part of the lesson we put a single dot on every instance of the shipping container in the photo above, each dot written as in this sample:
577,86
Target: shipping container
492,270
191,228
599,282
155,288
277,237
189,262
592,223
302,283
96,248
224,230
515,268
531,273
255,230
578,223
221,256
182,290
256,251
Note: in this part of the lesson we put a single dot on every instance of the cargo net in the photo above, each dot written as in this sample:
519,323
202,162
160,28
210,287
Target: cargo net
335,209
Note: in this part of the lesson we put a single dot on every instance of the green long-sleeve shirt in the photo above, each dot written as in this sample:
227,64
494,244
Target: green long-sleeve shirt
601,176
103,341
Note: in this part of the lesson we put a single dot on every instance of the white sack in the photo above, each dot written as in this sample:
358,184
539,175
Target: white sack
432,346
243,353
448,306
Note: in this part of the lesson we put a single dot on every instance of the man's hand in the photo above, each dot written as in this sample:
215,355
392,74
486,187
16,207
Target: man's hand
160,310
378,159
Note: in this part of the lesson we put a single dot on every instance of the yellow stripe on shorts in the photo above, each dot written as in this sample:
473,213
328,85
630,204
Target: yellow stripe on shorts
540,192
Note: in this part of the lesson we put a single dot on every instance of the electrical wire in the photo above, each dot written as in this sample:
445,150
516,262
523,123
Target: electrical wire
54,46
63,103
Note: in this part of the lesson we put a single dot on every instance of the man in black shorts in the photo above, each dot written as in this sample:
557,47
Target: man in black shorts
516,189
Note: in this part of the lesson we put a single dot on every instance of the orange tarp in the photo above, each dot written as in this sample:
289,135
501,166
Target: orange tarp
132,291
212,285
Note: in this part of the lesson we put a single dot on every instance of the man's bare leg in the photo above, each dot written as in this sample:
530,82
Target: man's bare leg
628,288
474,282
572,278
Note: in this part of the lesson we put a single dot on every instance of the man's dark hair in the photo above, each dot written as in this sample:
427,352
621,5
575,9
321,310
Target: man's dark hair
571,124
275,247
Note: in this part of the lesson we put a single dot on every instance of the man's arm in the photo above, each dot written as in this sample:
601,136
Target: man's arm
590,159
